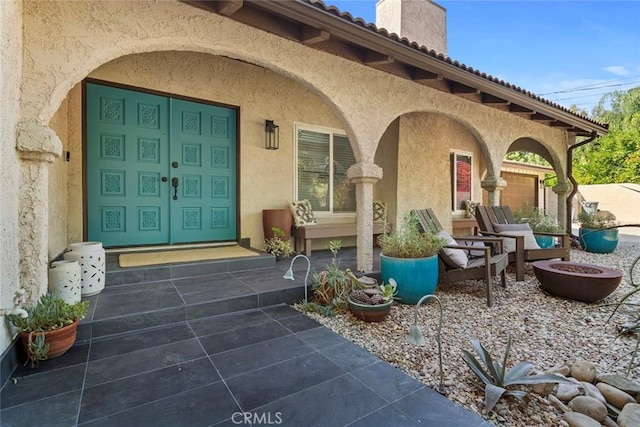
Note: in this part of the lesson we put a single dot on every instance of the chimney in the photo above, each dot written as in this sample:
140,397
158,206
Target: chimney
420,21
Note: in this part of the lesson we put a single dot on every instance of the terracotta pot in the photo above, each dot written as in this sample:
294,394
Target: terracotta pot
580,282
370,313
60,340
281,218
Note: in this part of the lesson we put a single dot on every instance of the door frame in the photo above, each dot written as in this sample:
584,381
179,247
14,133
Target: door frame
85,210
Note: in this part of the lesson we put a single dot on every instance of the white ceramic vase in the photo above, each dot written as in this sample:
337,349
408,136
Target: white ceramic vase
91,257
64,280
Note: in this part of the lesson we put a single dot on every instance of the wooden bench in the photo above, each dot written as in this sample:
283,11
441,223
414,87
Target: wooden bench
303,235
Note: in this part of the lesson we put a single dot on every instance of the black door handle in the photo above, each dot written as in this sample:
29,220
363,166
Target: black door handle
174,183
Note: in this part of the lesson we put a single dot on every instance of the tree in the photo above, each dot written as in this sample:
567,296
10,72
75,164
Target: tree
615,157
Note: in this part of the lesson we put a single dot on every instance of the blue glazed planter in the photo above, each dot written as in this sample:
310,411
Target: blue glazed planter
598,241
545,241
416,277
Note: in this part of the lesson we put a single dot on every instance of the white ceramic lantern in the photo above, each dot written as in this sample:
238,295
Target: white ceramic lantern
91,257
64,280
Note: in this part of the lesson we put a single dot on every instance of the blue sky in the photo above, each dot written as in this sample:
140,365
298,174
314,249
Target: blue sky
542,46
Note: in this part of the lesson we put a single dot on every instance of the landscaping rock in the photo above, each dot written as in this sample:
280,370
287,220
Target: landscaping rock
543,389
620,382
589,406
630,415
608,422
558,403
583,371
567,392
563,370
576,419
616,397
591,390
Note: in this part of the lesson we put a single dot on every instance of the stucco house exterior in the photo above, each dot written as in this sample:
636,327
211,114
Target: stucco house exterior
102,100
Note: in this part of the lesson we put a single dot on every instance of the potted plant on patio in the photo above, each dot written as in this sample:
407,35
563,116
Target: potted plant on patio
598,233
373,303
50,329
540,222
410,257
276,246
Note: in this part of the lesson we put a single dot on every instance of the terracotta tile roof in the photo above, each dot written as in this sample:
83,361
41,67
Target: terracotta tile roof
439,56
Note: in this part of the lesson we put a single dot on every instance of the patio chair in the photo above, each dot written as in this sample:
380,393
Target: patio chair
468,258
499,221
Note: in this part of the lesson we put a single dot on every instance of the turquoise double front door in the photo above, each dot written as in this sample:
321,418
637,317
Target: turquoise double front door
159,170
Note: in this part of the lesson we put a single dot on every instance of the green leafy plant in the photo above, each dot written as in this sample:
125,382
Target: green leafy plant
594,221
276,246
537,219
497,378
410,241
331,286
48,314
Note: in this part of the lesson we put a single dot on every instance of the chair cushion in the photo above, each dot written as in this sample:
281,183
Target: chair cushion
454,258
302,213
516,230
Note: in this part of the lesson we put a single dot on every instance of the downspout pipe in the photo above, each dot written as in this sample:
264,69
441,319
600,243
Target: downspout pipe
574,184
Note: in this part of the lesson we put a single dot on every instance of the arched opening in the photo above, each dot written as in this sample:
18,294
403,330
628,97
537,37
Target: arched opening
531,171
431,160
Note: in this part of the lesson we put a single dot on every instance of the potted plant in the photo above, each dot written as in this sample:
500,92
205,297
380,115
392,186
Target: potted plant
276,245
50,329
539,222
373,303
598,233
410,257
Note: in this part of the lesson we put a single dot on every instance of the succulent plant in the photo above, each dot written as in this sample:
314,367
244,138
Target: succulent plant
497,378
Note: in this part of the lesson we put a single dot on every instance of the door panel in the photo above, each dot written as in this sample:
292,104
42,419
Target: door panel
127,152
203,147
138,145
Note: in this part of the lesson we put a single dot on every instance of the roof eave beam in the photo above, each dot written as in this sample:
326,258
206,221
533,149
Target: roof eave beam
310,35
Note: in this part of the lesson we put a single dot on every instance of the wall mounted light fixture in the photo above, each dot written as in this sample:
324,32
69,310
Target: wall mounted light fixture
272,135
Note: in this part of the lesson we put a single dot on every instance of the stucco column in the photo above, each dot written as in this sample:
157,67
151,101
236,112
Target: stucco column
364,176
494,185
37,146
562,189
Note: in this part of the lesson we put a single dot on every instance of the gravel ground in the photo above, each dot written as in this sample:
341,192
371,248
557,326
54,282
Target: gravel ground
546,330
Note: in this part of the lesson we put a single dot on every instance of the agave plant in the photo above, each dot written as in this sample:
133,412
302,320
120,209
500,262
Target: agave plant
497,378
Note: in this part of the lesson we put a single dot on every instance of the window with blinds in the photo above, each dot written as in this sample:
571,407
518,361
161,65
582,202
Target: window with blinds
327,188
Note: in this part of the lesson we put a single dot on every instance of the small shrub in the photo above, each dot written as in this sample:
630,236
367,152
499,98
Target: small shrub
594,221
410,241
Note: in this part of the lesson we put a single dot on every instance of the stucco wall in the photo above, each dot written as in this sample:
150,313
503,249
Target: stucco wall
266,180
10,90
58,187
424,174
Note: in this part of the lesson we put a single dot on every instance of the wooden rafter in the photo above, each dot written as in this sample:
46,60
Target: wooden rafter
228,7
375,58
310,35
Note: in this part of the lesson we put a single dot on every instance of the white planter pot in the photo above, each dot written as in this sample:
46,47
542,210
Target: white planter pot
64,280
91,257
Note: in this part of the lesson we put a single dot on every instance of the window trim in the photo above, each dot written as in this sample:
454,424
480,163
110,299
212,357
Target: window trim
320,129
454,173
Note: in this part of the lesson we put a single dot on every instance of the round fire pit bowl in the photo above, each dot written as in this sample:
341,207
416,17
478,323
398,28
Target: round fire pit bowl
580,282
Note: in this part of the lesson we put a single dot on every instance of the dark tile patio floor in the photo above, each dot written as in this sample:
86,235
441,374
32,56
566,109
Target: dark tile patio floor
220,348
